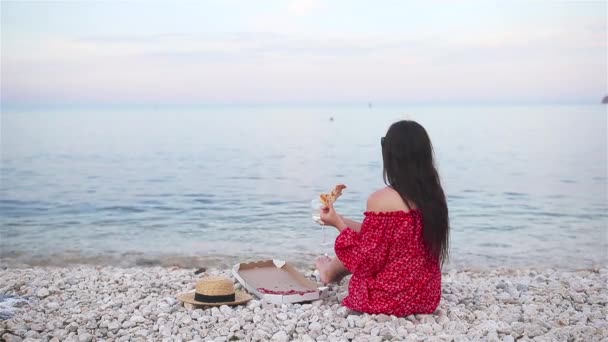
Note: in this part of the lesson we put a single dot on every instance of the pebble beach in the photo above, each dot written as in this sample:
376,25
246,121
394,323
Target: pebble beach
89,303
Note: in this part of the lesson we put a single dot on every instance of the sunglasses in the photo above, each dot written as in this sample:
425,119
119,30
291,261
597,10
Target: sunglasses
382,141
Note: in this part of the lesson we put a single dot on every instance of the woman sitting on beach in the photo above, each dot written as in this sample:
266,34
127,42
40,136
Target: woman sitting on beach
395,254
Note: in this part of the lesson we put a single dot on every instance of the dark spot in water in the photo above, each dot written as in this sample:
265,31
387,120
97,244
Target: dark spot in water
198,195
495,245
147,262
274,203
151,202
71,222
123,209
164,208
514,194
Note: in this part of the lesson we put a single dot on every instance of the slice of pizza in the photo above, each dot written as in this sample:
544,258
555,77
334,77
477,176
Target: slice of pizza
330,198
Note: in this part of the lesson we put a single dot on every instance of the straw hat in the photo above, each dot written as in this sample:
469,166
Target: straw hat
214,291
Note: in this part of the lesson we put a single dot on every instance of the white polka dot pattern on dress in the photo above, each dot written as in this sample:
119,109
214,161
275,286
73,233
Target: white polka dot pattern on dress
393,271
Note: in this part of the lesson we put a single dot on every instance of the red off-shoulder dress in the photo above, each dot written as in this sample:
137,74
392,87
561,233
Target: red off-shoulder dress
393,271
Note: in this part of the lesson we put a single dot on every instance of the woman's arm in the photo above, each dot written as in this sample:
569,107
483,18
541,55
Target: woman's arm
378,201
354,225
365,253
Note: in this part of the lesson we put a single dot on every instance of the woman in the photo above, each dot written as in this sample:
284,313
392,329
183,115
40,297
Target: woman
395,254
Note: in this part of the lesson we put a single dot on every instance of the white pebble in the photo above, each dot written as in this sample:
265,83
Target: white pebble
142,332
342,311
113,326
315,326
137,319
128,324
508,338
503,296
307,338
43,292
117,304
226,310
280,336
86,337
53,306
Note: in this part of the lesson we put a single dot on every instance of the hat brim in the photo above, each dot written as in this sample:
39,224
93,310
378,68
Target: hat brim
240,298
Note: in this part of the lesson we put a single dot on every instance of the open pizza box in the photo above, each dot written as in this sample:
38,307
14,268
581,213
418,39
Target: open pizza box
277,282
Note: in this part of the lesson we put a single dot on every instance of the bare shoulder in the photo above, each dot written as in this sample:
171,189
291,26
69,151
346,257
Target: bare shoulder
386,199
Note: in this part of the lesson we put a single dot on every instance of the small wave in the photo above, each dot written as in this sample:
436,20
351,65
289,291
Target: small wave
575,216
147,262
213,208
494,245
123,209
274,203
163,208
198,195
9,305
11,233
70,222
514,194
19,202
16,208
498,228
246,177
151,202
203,201
488,205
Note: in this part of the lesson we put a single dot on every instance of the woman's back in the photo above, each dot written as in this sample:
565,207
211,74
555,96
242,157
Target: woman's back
395,254
387,199
393,271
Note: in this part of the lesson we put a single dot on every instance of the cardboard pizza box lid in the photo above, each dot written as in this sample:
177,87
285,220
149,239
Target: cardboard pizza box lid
261,278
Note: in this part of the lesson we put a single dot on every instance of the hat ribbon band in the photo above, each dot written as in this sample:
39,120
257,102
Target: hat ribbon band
214,299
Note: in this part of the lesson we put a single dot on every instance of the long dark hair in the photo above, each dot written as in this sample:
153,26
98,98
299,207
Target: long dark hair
409,168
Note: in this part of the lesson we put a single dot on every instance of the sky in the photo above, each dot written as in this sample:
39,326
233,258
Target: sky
302,52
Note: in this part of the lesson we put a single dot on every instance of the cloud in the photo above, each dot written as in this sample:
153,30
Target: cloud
303,7
270,67
234,46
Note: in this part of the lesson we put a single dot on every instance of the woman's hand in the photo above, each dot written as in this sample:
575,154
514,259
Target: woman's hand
330,217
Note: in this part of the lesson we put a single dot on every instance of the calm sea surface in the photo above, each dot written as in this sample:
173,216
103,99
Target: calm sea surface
526,185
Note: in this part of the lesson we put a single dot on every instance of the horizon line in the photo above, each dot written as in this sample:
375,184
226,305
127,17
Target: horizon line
369,104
